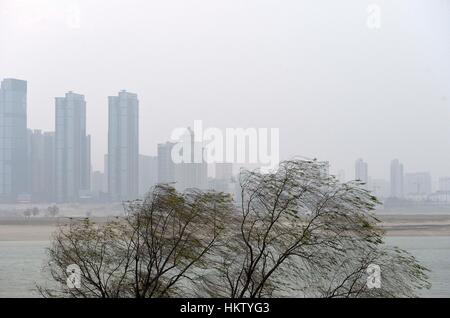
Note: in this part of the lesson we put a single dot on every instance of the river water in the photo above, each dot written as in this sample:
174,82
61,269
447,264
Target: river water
21,264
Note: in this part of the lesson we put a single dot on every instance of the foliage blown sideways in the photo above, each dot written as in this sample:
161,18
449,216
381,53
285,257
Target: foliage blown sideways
295,232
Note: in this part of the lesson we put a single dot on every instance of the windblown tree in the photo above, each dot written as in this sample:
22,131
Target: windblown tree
152,252
296,232
301,233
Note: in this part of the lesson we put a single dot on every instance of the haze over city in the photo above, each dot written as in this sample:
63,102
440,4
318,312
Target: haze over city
337,89
224,149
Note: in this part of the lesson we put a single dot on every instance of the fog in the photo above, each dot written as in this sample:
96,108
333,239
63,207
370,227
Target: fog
337,89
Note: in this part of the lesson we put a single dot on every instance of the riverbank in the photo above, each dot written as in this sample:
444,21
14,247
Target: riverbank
34,229
415,225
41,229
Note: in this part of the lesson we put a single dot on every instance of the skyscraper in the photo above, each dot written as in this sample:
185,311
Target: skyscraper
397,179
49,166
13,139
41,154
72,148
123,147
362,171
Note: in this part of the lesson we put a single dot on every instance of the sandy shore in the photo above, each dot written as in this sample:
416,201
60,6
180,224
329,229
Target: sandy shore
34,229
25,232
416,225
41,229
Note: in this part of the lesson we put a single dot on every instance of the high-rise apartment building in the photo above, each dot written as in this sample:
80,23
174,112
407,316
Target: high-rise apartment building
72,148
41,156
397,179
13,140
362,171
123,147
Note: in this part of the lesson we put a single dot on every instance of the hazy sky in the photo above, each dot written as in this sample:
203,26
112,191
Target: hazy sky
337,89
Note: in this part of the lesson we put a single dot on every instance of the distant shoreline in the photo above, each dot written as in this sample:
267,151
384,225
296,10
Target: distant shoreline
415,225
41,229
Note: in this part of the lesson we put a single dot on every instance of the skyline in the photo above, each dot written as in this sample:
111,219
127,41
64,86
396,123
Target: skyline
367,178
334,170
124,138
224,149
389,100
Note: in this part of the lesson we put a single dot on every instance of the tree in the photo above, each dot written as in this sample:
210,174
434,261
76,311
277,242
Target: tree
153,252
53,211
27,213
35,211
297,232
302,233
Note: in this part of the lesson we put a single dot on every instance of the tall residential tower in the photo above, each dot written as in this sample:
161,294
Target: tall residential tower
362,171
397,179
72,148
13,140
123,147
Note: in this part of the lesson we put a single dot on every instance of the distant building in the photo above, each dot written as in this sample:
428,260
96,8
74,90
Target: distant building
97,182
440,197
224,171
72,148
13,140
105,174
166,166
187,174
191,174
418,184
148,173
49,165
223,181
397,179
380,188
341,176
123,147
362,171
41,154
444,184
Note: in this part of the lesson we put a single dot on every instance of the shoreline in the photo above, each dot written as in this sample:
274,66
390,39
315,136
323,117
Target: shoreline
420,225
41,229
